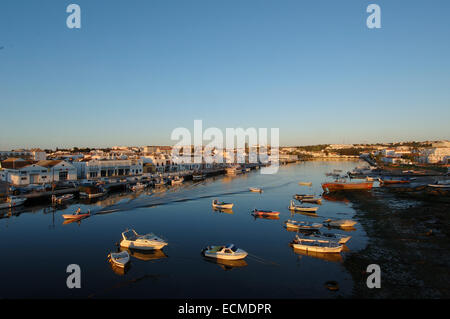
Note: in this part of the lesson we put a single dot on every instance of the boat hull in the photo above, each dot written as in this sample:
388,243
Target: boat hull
333,187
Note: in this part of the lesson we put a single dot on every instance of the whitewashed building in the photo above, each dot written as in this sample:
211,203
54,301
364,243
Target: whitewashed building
41,172
97,168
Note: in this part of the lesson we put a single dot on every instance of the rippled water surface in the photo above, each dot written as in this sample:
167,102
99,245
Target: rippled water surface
37,246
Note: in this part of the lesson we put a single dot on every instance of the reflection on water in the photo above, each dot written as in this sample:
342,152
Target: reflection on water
227,264
324,256
145,255
183,214
223,210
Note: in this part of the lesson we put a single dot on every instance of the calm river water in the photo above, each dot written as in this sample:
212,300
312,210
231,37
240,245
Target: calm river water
37,247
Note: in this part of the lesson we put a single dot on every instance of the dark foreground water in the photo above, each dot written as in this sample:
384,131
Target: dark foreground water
37,247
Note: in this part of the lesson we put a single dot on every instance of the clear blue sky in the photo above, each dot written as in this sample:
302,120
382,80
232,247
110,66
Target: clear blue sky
138,69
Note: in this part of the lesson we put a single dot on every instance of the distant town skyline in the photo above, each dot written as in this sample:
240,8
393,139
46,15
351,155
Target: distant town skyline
137,70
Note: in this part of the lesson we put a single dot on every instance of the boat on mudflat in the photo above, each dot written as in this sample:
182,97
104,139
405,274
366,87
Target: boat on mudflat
261,212
346,186
341,223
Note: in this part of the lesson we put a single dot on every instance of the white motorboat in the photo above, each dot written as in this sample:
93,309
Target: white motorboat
131,239
221,205
120,259
301,225
12,201
317,246
342,223
228,252
255,189
326,237
299,208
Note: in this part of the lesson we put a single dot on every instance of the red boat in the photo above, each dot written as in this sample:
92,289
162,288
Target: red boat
335,186
260,212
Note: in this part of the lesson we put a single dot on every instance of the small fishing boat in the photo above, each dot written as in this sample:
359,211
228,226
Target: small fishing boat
260,212
342,223
302,196
120,259
221,205
12,201
228,252
298,208
131,239
301,225
305,183
77,215
312,200
316,245
177,180
62,199
255,189
326,237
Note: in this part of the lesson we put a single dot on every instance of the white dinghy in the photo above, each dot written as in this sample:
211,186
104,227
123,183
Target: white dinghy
120,259
228,252
317,246
131,239
221,205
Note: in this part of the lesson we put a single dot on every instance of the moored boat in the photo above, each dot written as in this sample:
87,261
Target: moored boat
120,259
228,252
221,205
344,186
131,239
312,200
177,180
299,208
316,245
341,223
12,201
302,196
301,225
139,186
326,237
62,199
261,212
255,189
305,183
393,181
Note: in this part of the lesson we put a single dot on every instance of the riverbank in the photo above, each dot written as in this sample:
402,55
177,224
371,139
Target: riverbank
409,239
